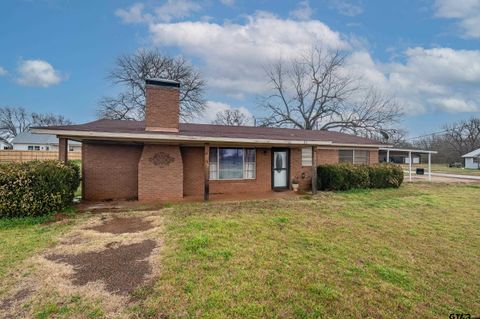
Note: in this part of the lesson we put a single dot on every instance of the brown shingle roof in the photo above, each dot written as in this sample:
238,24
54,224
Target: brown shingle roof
207,130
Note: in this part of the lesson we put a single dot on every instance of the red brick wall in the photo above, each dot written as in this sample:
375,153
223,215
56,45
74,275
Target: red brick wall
160,173
162,108
327,156
193,176
110,171
373,157
262,183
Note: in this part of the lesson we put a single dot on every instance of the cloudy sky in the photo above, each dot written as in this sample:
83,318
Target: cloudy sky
55,54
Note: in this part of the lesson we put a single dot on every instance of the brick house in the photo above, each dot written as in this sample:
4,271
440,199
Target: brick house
160,159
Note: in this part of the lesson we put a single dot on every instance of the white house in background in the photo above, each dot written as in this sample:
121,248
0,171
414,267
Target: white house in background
27,141
472,159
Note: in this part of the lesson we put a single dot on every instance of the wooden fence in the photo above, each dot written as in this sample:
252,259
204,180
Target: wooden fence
25,156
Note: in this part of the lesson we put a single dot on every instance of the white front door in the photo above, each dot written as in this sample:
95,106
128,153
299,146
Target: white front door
280,169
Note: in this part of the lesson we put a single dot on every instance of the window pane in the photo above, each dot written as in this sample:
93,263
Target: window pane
231,163
249,169
213,163
307,156
361,157
345,156
30,148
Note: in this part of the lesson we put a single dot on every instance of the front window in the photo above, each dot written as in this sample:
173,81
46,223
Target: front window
353,156
232,163
30,147
37,148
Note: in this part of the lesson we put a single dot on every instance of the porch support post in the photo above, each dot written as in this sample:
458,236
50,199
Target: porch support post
388,155
410,165
63,149
206,164
314,169
429,167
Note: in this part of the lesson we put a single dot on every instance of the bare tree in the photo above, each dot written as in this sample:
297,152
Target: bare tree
15,120
463,136
231,117
131,71
316,92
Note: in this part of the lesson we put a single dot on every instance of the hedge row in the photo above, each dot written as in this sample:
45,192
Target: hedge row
36,188
347,176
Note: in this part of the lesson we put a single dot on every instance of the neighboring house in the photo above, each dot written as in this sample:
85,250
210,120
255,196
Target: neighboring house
160,159
4,146
472,159
27,141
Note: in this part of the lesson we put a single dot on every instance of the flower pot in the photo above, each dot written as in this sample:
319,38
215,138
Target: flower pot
295,187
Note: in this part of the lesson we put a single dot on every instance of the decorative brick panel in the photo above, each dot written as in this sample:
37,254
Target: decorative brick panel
162,108
110,171
160,173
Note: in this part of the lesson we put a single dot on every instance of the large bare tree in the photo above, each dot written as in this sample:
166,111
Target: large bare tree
131,71
15,120
231,117
316,91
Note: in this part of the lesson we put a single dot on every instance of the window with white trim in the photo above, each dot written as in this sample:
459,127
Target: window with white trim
232,163
353,156
307,157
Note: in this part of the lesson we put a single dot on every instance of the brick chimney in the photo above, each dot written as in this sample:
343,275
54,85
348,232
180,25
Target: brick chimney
162,105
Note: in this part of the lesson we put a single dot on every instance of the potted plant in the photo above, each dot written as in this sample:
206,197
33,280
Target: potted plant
295,184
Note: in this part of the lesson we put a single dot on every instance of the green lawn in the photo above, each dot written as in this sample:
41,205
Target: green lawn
20,238
411,252
443,168
408,252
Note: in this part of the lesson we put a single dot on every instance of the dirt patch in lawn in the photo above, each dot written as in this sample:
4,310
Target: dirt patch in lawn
123,225
121,269
16,298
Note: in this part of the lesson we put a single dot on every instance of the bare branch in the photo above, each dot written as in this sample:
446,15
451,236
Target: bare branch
131,71
316,91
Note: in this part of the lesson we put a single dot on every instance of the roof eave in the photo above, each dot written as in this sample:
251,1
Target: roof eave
172,138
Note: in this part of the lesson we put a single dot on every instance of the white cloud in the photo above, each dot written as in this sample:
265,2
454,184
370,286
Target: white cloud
173,9
303,11
233,55
213,108
37,73
3,71
429,79
346,7
170,10
467,12
133,14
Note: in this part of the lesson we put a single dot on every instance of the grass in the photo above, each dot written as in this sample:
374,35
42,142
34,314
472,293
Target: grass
408,252
20,238
443,168
397,253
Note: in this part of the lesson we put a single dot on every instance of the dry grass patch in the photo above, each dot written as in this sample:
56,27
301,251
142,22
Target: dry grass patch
91,273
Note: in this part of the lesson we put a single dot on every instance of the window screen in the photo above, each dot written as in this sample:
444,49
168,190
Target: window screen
307,156
345,156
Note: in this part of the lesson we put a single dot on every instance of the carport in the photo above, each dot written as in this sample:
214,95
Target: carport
411,152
